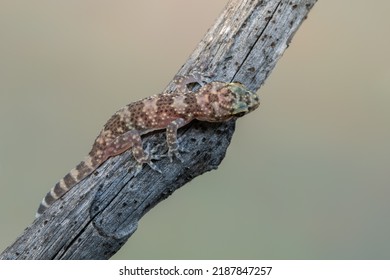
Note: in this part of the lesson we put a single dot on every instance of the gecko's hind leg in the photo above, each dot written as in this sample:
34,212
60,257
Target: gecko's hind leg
132,140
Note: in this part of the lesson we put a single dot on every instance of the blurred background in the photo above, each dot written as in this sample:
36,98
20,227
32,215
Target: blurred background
306,175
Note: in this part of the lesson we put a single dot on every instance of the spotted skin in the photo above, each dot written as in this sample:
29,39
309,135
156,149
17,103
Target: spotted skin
213,102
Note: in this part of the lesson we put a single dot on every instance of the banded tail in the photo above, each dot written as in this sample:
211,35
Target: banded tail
82,170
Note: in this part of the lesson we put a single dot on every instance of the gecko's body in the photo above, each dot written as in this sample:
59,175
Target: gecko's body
213,102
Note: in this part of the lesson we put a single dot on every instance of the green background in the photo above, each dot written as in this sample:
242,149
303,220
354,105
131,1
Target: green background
306,175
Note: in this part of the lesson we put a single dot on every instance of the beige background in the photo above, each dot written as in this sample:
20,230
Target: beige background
306,175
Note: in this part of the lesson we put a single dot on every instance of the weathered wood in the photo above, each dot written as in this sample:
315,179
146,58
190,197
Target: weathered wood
98,215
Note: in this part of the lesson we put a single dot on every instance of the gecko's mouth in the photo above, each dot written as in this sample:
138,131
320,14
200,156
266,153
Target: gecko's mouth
240,114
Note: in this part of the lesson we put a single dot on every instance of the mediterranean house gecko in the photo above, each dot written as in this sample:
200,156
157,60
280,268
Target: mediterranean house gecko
213,102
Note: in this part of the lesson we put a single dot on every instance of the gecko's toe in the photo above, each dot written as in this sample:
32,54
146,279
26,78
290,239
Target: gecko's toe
151,153
154,167
137,168
176,153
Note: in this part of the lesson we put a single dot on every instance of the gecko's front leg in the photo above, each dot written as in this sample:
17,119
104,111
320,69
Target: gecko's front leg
131,140
195,77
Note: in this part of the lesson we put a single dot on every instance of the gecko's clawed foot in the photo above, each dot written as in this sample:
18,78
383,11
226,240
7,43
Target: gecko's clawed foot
175,152
149,156
189,82
139,165
153,152
152,156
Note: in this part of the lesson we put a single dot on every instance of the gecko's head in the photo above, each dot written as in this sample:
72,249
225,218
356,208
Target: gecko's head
219,101
244,100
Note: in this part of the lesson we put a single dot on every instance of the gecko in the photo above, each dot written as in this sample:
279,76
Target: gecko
212,102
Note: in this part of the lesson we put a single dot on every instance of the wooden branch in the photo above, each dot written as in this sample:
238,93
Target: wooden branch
99,214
